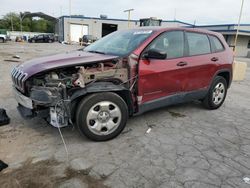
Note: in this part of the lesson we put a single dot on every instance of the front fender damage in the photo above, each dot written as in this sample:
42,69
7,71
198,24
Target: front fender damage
55,94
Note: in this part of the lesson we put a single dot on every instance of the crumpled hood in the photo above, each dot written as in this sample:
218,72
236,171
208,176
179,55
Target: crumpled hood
68,59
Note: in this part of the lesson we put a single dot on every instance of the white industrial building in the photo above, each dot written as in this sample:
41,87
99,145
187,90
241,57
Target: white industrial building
74,27
71,28
229,33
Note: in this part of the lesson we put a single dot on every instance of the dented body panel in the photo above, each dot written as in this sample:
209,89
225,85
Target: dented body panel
74,58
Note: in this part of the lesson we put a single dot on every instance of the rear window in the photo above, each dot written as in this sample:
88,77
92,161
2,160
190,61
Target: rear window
198,44
216,44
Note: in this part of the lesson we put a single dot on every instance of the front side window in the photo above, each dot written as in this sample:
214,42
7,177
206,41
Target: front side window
216,44
171,42
198,44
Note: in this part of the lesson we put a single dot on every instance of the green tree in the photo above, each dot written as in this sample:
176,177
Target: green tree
28,23
9,20
39,26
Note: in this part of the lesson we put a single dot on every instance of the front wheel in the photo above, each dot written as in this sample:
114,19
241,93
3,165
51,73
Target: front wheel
102,116
216,94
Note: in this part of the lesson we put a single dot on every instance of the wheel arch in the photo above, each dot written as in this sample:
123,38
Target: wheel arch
225,73
99,87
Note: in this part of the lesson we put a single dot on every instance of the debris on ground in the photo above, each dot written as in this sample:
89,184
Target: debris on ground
2,165
4,119
150,128
65,42
16,56
12,60
246,180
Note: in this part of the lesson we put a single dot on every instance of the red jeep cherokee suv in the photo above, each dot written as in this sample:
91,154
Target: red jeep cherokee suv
123,74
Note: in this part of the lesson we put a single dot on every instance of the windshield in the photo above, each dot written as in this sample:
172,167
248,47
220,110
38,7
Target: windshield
120,42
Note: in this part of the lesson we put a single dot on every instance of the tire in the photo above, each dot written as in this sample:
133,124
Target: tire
50,41
2,40
216,94
33,41
101,116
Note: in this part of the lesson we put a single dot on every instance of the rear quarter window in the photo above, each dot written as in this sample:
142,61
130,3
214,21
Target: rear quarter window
198,44
216,44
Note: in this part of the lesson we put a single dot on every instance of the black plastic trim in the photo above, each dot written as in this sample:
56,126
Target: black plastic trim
173,99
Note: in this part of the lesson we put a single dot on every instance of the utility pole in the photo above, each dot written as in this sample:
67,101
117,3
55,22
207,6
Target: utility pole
21,23
21,20
69,21
70,8
174,14
11,21
129,14
60,10
238,27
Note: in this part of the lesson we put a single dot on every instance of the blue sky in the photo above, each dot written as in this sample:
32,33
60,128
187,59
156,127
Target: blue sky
201,11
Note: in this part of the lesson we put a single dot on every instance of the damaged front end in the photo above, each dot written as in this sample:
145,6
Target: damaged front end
50,94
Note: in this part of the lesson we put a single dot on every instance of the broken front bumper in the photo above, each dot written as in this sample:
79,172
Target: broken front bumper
25,104
27,107
22,100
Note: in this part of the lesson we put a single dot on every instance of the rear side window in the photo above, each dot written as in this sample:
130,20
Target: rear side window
216,44
171,42
198,44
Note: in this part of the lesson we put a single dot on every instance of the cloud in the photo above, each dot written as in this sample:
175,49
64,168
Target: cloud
201,11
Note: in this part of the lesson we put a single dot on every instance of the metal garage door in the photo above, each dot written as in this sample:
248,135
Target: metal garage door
77,31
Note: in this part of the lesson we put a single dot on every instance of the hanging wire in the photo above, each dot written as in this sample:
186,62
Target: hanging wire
59,129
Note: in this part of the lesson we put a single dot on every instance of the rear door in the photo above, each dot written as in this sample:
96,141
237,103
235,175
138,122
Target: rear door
200,65
162,77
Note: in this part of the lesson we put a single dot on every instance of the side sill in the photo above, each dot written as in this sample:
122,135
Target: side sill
172,99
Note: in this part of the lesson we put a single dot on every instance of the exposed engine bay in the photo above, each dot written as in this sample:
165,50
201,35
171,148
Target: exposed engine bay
51,91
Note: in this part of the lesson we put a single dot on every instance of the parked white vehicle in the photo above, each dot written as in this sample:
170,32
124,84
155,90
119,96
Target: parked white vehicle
2,38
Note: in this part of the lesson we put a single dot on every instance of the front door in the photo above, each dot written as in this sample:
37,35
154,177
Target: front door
162,77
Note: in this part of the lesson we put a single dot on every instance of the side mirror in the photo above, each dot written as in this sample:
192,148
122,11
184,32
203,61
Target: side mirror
155,54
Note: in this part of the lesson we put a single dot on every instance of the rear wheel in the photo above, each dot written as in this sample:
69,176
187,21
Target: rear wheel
2,40
50,41
33,41
216,94
101,116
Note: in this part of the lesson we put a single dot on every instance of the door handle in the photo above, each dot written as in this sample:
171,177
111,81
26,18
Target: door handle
181,64
215,59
